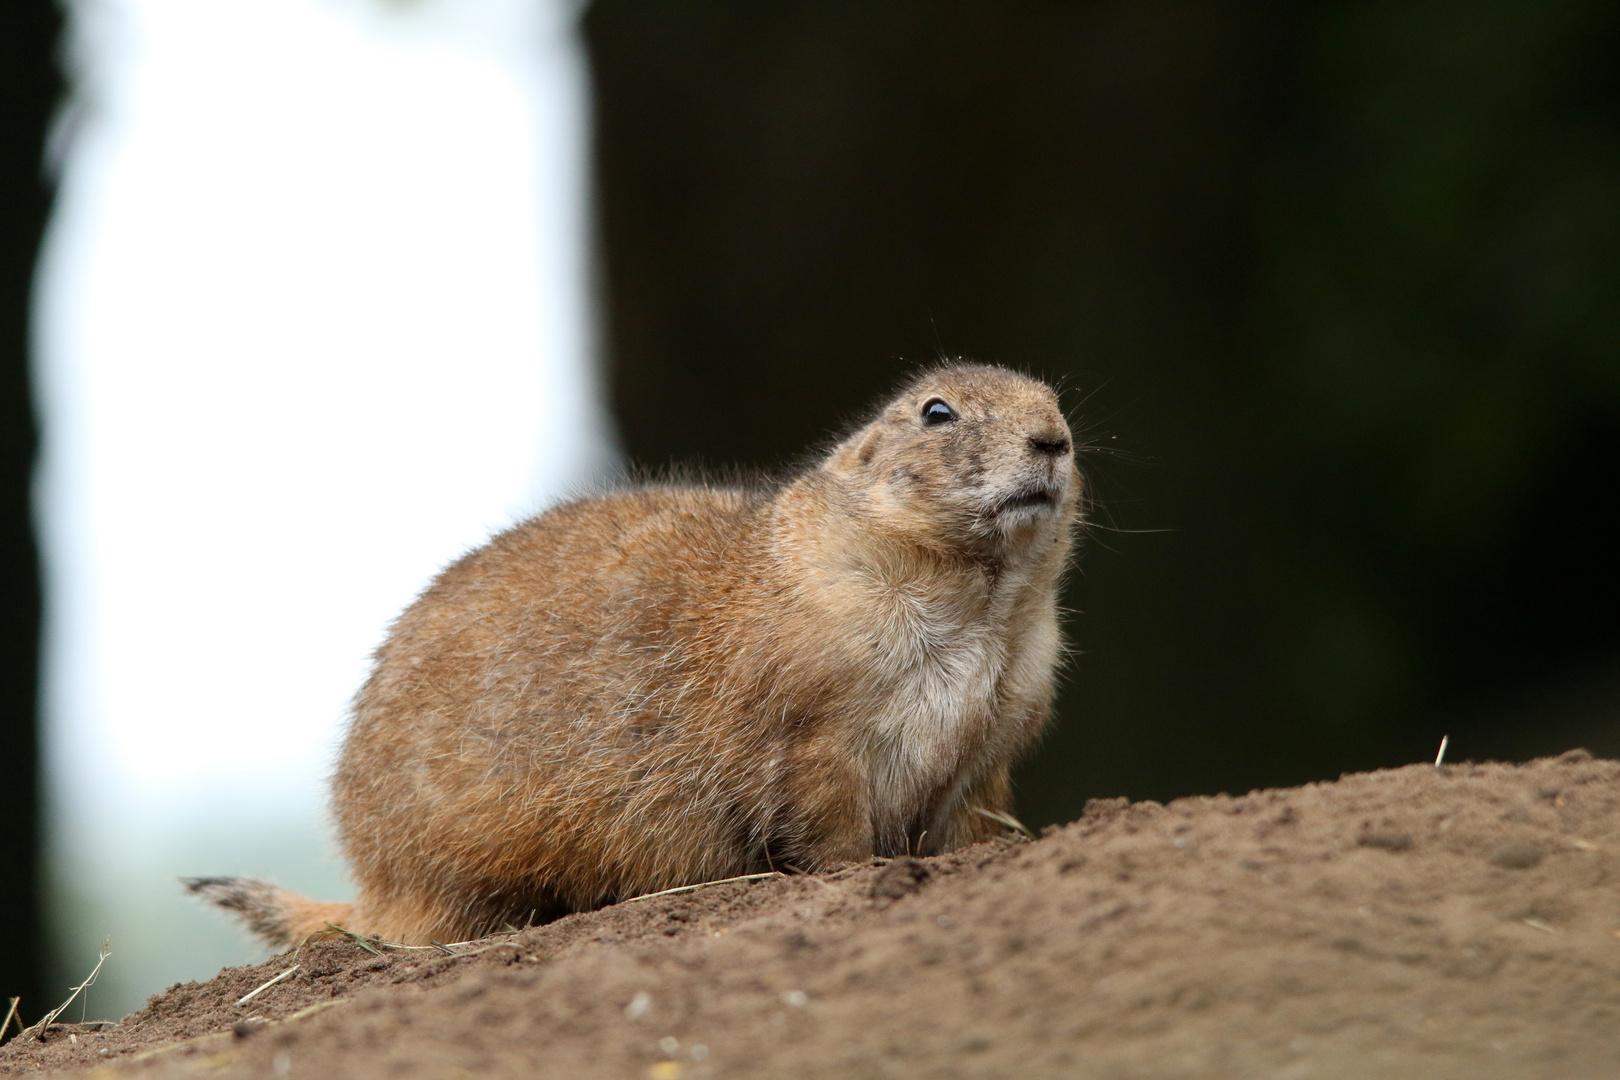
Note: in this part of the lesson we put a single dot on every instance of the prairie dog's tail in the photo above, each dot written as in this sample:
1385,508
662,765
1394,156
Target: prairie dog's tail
279,918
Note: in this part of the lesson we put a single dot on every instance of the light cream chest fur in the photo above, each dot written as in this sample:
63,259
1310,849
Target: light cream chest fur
942,657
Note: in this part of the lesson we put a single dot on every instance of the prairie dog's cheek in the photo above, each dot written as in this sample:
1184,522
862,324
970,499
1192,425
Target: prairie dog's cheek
904,480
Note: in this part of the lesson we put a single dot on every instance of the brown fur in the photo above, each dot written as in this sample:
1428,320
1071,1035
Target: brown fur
676,683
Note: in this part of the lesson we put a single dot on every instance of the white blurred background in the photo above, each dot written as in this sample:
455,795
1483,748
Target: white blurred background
314,318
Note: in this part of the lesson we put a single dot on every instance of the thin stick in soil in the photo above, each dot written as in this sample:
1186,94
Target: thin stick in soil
44,1024
703,885
11,1014
251,994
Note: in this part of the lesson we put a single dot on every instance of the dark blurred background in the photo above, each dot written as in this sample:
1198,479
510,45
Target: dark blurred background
30,87
1335,290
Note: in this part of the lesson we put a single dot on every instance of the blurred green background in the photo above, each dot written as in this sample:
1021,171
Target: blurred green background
1334,288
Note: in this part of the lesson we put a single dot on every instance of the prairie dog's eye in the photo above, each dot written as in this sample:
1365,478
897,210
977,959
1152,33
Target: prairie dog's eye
935,411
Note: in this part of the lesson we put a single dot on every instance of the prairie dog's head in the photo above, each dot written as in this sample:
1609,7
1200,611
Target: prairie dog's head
971,457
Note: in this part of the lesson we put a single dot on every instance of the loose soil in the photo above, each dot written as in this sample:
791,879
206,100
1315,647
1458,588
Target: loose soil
1419,922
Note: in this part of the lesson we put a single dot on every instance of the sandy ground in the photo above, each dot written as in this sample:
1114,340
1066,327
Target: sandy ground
1419,922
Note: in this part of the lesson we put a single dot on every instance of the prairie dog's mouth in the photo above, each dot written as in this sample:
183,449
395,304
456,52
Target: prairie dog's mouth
1031,497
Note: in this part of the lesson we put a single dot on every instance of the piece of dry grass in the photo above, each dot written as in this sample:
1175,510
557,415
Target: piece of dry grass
375,944
703,885
357,939
38,1030
251,994
11,1014
1001,817
487,948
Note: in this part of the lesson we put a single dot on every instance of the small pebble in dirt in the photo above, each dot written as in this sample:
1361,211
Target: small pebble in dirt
638,1006
903,876
796,998
669,1044
1517,855
243,1028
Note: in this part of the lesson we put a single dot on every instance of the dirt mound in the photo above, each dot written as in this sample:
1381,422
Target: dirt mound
1461,921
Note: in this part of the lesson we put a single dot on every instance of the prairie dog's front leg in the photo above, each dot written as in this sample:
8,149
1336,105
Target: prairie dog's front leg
962,823
831,808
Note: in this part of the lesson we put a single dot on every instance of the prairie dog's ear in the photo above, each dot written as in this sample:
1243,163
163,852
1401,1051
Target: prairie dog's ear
867,447
858,452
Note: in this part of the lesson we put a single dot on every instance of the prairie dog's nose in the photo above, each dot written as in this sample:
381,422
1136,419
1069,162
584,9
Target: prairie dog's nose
1051,443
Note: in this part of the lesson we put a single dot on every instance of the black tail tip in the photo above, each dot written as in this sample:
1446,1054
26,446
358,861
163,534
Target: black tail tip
247,895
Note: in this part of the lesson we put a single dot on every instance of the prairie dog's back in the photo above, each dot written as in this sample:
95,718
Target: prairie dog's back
574,638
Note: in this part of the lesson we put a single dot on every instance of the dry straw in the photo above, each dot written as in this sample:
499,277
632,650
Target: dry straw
38,1030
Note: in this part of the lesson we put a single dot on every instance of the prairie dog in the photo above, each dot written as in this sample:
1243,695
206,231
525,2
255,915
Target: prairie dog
675,683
